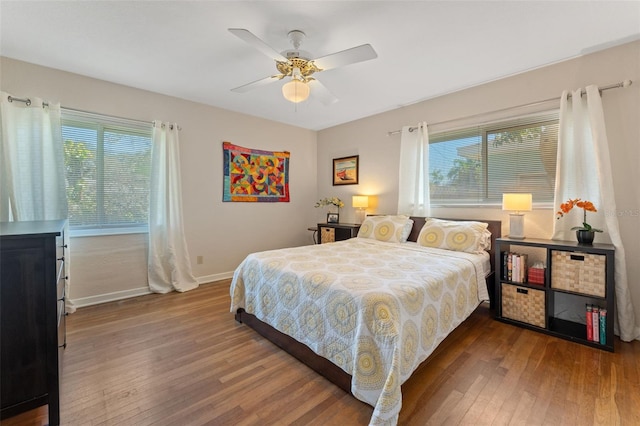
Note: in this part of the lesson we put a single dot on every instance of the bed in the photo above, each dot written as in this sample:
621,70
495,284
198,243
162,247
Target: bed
366,312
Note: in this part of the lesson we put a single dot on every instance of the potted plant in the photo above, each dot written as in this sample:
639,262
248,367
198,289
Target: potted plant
586,232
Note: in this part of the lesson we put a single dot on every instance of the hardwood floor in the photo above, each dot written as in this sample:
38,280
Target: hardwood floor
181,359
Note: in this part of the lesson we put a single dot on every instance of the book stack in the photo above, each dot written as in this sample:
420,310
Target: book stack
596,324
514,267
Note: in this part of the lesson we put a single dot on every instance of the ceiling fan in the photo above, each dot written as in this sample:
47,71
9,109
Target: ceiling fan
299,67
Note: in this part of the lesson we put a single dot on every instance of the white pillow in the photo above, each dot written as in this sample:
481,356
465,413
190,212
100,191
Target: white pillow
467,236
393,229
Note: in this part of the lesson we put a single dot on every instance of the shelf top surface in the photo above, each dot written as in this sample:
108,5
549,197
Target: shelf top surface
31,228
341,225
537,242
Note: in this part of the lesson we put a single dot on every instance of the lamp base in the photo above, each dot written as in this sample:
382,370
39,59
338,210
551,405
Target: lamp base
360,215
516,226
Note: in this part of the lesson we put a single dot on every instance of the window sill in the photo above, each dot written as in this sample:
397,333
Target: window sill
106,232
536,206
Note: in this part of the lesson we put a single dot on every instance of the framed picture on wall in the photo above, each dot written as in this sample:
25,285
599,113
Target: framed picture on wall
345,170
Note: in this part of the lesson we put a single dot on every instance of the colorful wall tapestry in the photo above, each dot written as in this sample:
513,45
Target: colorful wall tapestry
252,175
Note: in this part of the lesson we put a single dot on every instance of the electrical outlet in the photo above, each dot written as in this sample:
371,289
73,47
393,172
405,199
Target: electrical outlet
199,260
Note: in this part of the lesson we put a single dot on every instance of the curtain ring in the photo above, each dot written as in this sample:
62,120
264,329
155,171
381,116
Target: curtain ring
27,101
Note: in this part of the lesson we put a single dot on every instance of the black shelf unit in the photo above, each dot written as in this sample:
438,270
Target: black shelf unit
553,324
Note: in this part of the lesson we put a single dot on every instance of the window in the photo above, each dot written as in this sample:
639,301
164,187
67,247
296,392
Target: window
477,165
108,164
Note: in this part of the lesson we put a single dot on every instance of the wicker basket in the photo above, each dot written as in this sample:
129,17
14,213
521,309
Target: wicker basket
578,272
327,235
523,304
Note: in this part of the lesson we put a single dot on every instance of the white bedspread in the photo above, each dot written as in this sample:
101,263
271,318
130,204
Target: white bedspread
377,310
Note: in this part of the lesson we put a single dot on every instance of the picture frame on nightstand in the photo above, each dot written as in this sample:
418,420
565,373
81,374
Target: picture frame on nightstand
333,217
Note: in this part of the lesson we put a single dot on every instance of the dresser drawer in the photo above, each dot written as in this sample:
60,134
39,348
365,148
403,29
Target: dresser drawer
61,279
61,322
60,247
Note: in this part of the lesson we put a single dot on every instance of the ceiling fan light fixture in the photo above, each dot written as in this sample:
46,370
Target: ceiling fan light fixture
300,66
295,91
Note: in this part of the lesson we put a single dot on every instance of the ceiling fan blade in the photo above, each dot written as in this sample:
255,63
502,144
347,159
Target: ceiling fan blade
346,57
320,92
254,41
254,84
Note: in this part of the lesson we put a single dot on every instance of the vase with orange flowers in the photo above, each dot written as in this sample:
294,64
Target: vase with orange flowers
586,232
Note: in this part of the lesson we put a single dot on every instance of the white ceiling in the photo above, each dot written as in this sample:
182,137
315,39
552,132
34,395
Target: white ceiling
425,48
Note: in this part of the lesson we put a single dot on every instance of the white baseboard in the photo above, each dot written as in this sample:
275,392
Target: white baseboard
110,297
215,277
135,292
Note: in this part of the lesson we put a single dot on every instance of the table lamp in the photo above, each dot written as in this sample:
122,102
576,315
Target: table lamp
360,203
516,203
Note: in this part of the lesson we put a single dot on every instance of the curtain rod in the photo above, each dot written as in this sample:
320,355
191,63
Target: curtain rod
27,101
625,83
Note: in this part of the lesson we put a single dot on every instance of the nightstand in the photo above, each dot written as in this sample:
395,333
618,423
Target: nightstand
330,232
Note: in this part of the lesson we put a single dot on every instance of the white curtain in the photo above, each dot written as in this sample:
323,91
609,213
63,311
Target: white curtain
413,182
32,179
169,266
32,157
584,171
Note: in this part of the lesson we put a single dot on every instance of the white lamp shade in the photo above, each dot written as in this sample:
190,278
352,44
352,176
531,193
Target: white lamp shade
517,202
295,91
360,201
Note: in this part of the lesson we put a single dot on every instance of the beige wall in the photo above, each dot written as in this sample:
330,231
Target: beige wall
107,268
379,153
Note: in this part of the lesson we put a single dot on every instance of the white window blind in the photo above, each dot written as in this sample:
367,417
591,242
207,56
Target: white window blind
477,165
107,164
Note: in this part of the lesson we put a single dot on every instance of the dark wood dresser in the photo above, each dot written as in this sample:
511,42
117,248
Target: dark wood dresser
32,316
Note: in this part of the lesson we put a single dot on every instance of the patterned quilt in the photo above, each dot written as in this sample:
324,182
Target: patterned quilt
375,309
